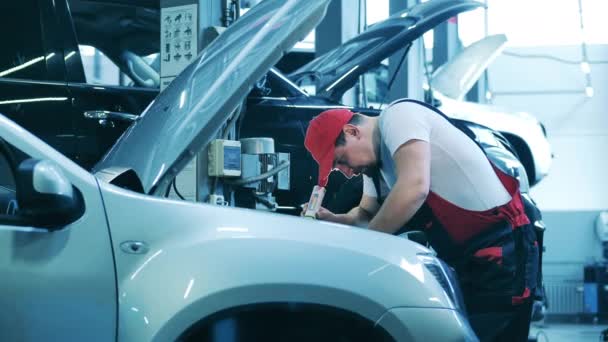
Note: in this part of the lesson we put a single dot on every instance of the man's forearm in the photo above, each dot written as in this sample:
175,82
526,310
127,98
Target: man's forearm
357,216
399,207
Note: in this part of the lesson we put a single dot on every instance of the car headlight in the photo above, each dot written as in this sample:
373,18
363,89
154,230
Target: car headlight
446,277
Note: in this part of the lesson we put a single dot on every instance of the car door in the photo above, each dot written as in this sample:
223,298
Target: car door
32,84
55,285
96,84
97,135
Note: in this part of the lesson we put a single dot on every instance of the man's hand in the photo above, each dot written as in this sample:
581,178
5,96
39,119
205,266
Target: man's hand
326,215
322,214
304,208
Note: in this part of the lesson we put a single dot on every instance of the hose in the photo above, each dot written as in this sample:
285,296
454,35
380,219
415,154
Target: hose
282,166
267,203
176,191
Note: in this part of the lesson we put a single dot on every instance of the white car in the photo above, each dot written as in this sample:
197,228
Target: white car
104,256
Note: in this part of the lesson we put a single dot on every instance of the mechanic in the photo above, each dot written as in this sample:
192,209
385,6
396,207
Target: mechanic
422,172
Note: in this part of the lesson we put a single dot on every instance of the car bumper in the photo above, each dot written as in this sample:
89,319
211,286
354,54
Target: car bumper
427,324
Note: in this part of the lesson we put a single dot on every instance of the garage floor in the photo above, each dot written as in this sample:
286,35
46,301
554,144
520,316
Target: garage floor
567,332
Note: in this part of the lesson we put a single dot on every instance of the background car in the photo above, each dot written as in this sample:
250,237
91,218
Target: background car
43,84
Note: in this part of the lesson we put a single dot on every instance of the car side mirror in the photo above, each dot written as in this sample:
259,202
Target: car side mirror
46,198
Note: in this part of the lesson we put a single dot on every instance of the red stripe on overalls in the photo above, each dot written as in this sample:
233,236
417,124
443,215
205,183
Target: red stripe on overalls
493,254
462,224
517,300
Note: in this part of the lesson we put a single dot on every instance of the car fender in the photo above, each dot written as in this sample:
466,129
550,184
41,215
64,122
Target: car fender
197,259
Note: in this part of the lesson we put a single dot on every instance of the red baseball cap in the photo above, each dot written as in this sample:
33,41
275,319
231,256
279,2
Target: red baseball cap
321,137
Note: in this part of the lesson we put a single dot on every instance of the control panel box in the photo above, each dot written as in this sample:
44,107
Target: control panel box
224,158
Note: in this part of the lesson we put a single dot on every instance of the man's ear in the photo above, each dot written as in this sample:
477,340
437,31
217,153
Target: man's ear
353,130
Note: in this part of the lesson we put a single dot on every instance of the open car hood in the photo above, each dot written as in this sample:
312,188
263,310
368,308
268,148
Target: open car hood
339,69
188,114
456,77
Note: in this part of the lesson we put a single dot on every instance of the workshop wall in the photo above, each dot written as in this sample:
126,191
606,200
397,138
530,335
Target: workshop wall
576,189
577,126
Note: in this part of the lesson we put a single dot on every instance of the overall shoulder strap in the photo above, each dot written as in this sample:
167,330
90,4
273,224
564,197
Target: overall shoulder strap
462,127
376,179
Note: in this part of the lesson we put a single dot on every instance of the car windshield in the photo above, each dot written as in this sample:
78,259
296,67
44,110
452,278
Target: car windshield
275,84
117,42
335,58
341,59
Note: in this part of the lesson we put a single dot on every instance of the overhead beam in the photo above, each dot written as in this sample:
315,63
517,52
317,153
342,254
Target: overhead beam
342,22
410,75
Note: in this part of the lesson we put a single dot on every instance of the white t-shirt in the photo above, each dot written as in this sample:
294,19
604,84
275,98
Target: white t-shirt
460,172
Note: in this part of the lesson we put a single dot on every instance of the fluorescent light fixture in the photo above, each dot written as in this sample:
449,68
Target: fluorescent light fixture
585,67
589,91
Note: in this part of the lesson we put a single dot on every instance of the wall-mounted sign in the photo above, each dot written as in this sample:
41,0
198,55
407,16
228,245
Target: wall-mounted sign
178,38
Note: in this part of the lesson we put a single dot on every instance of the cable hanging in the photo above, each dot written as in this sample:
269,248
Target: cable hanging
585,67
